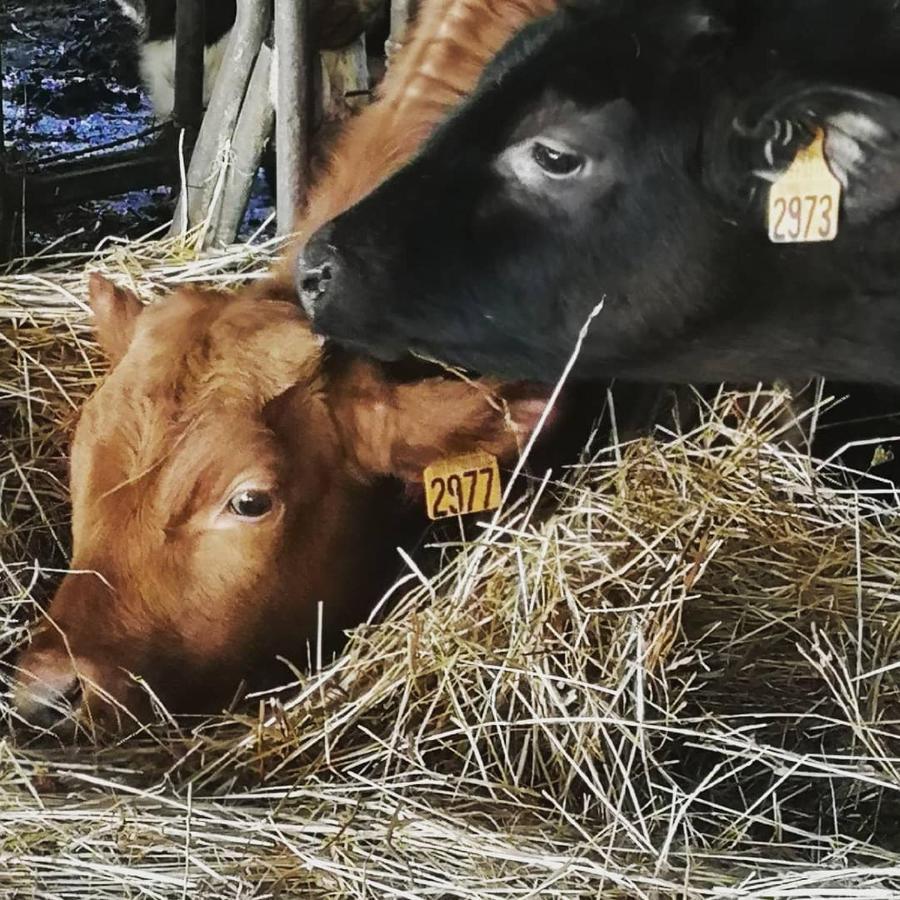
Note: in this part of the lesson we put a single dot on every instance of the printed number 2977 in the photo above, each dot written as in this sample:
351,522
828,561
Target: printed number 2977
458,494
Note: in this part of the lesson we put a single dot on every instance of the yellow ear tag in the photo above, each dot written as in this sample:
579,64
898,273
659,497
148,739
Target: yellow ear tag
461,485
804,203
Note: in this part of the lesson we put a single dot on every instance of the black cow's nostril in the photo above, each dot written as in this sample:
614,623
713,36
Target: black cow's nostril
318,268
314,281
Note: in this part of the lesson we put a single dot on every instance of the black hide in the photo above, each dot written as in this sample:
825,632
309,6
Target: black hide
682,114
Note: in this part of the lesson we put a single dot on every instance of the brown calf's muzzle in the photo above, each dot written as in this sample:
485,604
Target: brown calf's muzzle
83,679
59,691
66,676
65,682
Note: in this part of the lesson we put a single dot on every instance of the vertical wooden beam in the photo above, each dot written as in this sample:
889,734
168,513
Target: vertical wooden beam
7,217
2,107
345,81
190,33
292,120
250,28
401,13
253,129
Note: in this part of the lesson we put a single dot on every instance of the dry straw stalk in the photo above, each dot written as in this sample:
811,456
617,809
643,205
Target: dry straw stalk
675,674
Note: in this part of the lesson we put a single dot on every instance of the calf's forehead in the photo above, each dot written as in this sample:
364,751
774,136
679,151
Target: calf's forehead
196,347
192,386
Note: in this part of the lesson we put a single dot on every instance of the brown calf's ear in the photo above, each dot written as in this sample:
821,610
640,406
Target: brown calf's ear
400,429
115,314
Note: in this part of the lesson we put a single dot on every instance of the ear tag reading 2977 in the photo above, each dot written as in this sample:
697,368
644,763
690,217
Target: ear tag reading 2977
805,201
461,485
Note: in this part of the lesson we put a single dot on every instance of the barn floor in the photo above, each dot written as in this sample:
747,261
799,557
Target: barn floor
71,83
677,681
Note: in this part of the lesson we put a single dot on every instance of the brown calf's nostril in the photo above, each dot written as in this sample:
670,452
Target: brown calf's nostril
74,694
49,701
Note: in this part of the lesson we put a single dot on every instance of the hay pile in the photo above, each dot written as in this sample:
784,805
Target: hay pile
684,682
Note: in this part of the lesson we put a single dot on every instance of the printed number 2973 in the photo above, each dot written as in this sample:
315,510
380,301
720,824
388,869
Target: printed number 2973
803,218
805,200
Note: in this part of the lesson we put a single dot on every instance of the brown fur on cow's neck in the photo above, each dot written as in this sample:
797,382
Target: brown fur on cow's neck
453,41
186,627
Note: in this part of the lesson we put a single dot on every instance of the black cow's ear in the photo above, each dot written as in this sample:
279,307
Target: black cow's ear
750,150
690,23
681,24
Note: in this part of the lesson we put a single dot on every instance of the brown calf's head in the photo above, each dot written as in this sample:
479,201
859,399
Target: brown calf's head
223,485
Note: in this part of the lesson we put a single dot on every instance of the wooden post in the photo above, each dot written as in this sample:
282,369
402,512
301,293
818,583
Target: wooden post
190,31
2,106
250,27
253,129
6,220
401,12
292,121
345,80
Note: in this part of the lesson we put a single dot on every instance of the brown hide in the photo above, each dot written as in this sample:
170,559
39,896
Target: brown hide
214,396
211,394
165,581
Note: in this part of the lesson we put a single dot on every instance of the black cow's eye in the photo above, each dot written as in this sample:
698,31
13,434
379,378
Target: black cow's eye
250,504
556,163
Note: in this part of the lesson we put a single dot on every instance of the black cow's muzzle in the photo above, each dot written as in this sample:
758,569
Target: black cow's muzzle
317,270
337,298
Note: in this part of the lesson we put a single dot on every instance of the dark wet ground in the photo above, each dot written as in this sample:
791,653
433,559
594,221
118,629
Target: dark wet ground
71,83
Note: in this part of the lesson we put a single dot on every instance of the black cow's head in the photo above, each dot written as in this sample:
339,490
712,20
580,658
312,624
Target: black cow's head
619,158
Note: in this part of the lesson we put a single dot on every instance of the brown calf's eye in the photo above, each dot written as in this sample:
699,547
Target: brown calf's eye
250,504
556,163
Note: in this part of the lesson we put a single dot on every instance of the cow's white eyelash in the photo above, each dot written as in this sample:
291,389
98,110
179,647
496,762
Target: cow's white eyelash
518,161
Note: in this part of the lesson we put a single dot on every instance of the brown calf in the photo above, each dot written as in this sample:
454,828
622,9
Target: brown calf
222,483
224,478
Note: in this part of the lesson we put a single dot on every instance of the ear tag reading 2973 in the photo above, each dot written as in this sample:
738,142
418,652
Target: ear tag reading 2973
461,485
804,203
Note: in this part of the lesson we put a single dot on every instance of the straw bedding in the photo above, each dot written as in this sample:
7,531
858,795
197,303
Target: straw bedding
670,671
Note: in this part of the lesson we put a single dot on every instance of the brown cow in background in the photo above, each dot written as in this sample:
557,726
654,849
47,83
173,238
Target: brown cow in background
226,477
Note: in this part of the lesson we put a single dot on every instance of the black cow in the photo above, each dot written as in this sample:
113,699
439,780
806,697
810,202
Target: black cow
626,157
